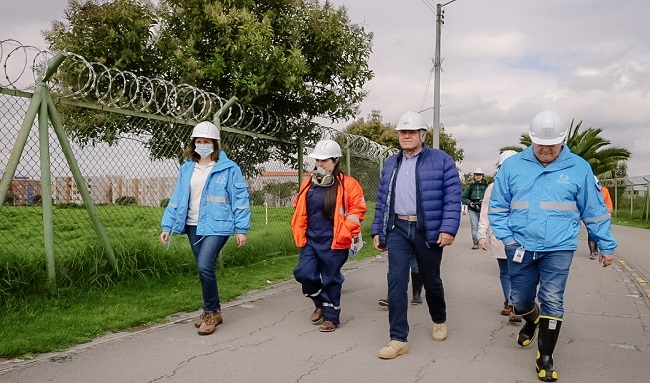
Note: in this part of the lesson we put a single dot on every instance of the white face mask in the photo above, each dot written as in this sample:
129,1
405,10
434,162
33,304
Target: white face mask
204,150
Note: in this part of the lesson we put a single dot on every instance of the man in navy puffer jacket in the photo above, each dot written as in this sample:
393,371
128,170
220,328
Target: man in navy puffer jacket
417,213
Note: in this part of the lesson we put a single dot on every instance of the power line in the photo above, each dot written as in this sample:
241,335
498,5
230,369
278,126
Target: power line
429,6
426,90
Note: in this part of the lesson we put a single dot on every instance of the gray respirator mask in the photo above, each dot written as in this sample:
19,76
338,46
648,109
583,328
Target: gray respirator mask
321,177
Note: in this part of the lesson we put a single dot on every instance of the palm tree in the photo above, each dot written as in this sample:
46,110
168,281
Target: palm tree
588,145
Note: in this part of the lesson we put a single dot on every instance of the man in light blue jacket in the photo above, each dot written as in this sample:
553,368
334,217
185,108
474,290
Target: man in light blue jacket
539,198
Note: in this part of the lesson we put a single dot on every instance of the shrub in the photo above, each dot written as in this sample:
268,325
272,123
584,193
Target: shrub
126,200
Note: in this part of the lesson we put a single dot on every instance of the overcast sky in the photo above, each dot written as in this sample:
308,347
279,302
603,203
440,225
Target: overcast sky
503,62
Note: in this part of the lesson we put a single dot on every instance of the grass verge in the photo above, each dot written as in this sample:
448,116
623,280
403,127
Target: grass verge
55,322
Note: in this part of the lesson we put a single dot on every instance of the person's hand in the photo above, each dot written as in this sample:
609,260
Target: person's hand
375,243
606,260
241,240
482,243
164,237
445,239
471,204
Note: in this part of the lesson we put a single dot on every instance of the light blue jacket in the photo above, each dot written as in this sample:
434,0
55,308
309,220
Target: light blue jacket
224,208
541,207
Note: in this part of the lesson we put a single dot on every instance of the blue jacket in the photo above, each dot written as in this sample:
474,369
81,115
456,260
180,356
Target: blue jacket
438,195
224,208
541,207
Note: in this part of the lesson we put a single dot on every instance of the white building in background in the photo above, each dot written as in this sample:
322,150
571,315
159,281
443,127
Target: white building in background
108,190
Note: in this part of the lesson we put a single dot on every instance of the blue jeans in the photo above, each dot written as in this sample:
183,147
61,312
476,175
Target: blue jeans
404,240
473,221
504,277
321,279
206,251
549,270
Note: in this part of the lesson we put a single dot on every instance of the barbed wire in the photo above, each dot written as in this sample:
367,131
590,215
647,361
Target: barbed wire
83,80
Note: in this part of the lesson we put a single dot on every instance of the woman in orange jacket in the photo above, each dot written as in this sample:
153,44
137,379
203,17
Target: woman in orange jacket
327,219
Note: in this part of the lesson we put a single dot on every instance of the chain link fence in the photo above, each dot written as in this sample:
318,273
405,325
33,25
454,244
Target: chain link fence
630,196
127,140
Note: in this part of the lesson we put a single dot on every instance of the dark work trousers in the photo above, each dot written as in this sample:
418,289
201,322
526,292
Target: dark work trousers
404,240
319,272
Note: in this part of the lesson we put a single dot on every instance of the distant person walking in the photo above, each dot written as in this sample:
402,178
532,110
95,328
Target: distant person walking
473,198
327,219
535,209
495,249
607,200
417,213
210,203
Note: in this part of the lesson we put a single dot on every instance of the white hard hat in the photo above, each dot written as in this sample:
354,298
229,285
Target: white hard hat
505,155
206,129
478,171
326,149
411,121
548,128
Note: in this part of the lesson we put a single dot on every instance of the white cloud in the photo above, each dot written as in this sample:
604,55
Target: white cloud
503,62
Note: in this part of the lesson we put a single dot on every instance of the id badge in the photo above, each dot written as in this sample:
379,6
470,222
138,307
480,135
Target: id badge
519,254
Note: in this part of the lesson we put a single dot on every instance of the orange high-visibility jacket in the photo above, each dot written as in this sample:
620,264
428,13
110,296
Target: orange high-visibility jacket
607,198
350,208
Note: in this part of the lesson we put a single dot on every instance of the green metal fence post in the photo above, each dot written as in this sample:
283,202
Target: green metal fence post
46,188
616,197
217,116
647,200
301,158
81,184
347,154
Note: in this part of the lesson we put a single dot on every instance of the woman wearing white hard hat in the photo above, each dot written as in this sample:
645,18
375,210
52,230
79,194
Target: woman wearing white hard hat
327,220
495,249
210,203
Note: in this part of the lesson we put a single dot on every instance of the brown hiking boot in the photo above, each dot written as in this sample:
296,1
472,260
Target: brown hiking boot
475,246
317,316
328,326
210,322
512,317
506,309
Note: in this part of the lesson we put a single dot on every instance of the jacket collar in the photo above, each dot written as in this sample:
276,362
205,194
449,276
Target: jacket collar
563,160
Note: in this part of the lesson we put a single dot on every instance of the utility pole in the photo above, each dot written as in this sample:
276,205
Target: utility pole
437,66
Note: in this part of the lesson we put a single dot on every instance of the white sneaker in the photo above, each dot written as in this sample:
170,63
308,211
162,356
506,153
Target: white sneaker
439,331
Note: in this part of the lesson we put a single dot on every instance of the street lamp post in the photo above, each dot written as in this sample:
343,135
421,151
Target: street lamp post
436,88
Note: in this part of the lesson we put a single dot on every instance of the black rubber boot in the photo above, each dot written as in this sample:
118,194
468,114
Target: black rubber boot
527,332
549,330
593,249
416,282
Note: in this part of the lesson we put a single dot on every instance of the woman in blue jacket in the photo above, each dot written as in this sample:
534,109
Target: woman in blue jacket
209,204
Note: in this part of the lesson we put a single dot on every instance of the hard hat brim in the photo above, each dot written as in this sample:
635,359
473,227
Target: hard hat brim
320,156
552,141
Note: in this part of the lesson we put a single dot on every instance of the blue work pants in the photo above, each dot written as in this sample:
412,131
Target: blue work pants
549,270
206,251
404,240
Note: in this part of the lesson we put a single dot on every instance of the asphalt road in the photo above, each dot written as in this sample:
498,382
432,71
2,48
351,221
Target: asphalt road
267,336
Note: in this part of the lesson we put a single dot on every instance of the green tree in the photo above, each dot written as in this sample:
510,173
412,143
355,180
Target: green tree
606,162
297,58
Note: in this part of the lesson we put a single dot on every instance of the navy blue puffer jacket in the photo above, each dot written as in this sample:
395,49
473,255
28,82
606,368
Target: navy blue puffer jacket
438,195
